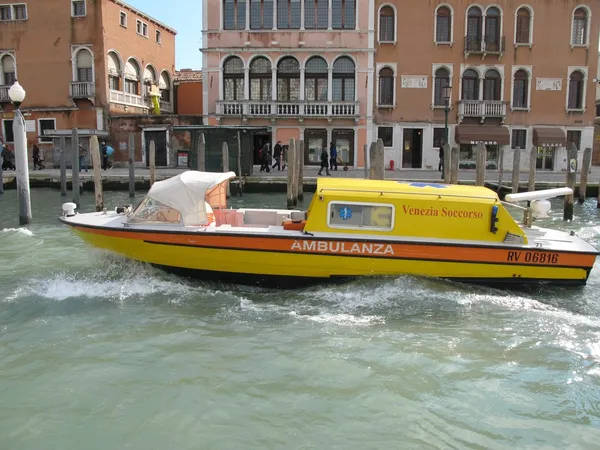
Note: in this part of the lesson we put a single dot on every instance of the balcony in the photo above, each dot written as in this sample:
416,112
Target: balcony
484,109
166,106
82,89
4,98
489,45
124,98
299,109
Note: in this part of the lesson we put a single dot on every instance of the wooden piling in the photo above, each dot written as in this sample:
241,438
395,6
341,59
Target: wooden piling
96,164
571,178
366,158
152,162
585,170
454,163
239,164
377,161
480,167
447,162
225,162
300,171
532,163
372,151
63,166
201,156
75,166
500,168
1,174
515,170
292,199
131,146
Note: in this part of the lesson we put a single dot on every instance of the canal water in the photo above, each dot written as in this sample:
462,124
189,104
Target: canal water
101,353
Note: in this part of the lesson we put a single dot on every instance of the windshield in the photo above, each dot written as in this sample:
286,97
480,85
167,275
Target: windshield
150,210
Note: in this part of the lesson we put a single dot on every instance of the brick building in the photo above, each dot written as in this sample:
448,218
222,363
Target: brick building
82,63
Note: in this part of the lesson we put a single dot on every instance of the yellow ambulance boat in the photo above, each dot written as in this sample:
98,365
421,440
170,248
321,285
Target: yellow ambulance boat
352,228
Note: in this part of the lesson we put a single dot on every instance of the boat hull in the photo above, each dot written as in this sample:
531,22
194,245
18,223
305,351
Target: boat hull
283,261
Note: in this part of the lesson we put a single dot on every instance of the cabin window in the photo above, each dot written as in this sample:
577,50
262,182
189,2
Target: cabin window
151,210
363,216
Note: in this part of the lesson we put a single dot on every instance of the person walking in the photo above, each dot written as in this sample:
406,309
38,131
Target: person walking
82,157
441,155
37,161
333,156
104,151
277,156
266,158
324,162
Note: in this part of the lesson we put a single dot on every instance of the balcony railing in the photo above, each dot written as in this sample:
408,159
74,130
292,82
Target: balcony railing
4,94
82,89
127,99
166,106
482,109
298,109
492,45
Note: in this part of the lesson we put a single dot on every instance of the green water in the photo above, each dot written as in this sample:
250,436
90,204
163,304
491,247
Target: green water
101,353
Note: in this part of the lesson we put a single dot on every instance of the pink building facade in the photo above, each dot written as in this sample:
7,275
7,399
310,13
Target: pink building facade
302,69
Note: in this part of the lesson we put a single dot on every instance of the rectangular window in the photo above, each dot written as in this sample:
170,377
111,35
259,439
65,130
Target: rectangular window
85,74
158,37
234,14
113,83
519,139
8,130
574,136
78,8
123,19
288,14
438,137
386,91
141,28
316,14
131,87
386,28
343,14
9,78
20,12
386,134
366,216
46,124
261,14
523,22
5,12
520,93
442,29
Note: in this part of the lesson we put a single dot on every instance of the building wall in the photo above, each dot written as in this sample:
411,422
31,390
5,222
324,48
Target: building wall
189,97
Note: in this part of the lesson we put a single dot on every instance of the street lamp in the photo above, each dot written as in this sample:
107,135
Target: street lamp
16,93
446,93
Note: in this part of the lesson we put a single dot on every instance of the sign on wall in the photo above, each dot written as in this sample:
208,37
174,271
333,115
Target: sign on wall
414,81
30,126
548,84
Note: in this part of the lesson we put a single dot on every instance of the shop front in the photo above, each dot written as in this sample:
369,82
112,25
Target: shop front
548,141
469,136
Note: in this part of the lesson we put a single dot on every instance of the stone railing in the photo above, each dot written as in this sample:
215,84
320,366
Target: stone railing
82,89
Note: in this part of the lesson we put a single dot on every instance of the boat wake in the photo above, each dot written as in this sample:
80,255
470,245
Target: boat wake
23,231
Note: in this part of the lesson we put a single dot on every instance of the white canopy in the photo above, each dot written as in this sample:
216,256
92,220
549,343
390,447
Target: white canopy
187,193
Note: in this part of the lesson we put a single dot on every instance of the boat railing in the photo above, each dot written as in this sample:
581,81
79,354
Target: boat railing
431,194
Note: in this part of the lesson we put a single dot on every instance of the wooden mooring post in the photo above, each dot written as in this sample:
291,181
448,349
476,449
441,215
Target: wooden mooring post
585,170
300,171
366,159
75,166
152,162
516,169
480,164
292,184
131,149
225,162
454,163
201,153
532,163
500,168
446,164
377,161
1,174
95,155
239,165
63,166
571,178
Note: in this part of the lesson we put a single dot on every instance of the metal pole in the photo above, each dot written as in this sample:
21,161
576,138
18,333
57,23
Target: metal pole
446,111
63,166
131,145
23,193
75,165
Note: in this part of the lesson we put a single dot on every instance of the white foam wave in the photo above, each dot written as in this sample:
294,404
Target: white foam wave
342,319
23,231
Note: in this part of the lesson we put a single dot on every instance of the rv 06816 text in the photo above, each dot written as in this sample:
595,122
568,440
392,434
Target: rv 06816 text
533,257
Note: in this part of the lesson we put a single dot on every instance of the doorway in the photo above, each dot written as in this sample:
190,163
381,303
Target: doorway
259,140
412,148
343,140
545,158
160,147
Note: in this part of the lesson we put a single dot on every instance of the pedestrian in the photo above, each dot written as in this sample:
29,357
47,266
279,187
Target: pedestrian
324,162
266,158
277,155
333,155
37,161
104,156
441,154
82,157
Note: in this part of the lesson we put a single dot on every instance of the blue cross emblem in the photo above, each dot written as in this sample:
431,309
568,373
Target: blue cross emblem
433,185
345,213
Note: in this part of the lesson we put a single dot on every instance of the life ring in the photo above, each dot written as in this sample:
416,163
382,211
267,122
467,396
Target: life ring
210,216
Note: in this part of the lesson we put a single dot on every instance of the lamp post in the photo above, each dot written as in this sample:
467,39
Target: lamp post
17,95
446,92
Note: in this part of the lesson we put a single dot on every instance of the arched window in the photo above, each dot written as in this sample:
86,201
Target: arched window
470,85
520,89
442,79
164,84
260,79
234,14
474,29
83,63
580,25
523,30
233,79
343,80
132,77
288,80
315,79
387,26
386,87
576,90
8,70
492,30
443,25
114,71
491,85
